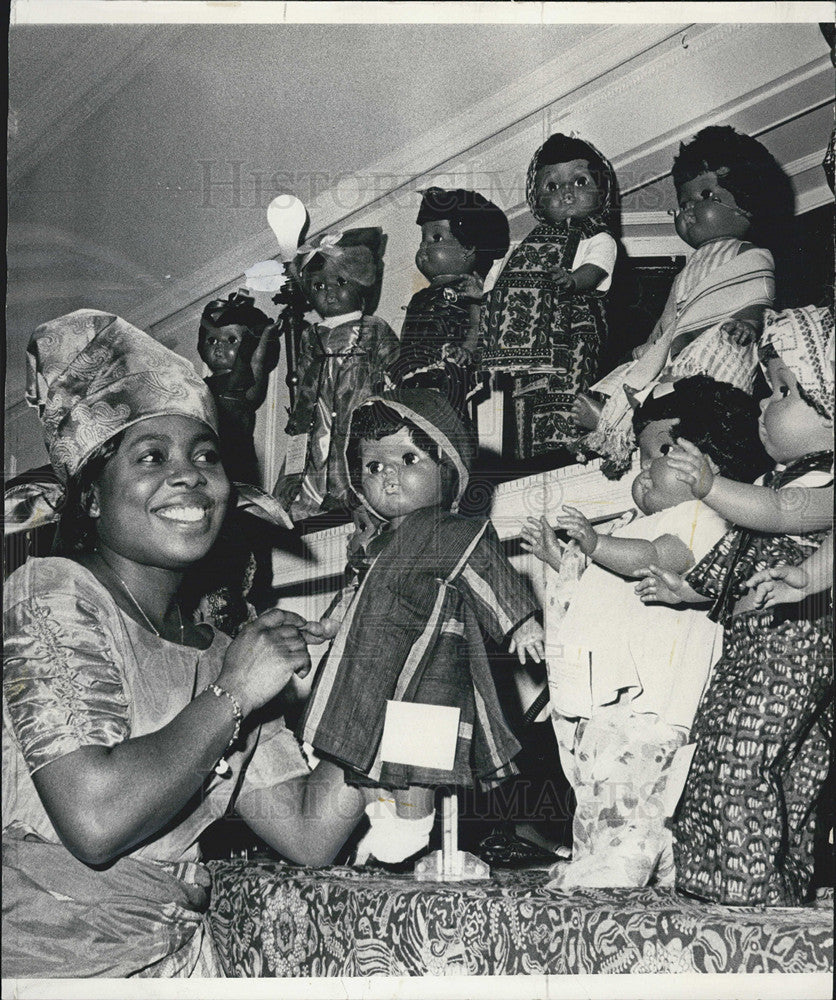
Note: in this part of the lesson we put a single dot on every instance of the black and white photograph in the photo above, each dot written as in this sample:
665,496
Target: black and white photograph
418,468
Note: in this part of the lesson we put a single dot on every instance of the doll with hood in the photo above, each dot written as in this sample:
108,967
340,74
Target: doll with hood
544,319
462,234
732,197
408,626
342,359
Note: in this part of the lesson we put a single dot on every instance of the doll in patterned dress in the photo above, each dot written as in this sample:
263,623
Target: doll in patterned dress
544,320
745,828
462,234
342,359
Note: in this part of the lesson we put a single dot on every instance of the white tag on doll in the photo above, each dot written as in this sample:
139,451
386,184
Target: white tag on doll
421,735
677,773
297,453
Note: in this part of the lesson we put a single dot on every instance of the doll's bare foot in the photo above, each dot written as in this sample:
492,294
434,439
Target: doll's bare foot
586,411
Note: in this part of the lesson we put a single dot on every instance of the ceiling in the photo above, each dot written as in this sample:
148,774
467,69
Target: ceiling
141,154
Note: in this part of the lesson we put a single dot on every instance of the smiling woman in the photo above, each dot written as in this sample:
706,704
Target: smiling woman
126,727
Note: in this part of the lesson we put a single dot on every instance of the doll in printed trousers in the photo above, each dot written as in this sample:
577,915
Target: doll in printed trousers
342,359
408,627
625,680
544,319
745,827
462,234
732,195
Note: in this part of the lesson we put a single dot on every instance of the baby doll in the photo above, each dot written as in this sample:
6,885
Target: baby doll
626,680
462,234
342,359
410,628
729,189
239,344
544,319
746,823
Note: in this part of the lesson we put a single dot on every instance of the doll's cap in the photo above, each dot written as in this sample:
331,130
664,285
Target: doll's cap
474,221
92,374
803,339
355,254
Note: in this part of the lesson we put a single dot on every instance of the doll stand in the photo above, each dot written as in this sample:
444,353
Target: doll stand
450,864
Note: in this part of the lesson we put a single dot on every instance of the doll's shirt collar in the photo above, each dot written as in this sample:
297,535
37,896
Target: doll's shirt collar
333,321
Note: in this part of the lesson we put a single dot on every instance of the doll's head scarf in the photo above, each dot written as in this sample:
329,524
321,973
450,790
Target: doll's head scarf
560,148
803,339
356,254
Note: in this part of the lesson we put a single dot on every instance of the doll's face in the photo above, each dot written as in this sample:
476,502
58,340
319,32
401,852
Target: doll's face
219,346
332,294
788,427
566,191
656,487
707,211
440,253
397,477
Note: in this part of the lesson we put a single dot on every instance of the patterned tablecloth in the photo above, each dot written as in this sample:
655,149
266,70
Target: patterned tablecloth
272,919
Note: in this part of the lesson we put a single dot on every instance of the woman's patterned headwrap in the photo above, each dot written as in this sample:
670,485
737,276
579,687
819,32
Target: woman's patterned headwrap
803,340
560,148
91,375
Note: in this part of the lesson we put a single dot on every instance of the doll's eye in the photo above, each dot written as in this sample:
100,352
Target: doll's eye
341,282
374,467
410,458
707,194
784,390
665,448
551,186
436,237
318,286
581,182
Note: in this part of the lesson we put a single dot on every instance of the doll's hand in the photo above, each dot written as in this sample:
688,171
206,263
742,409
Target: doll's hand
315,633
528,640
457,354
473,287
778,585
690,466
578,527
739,331
563,278
659,586
266,355
586,412
539,539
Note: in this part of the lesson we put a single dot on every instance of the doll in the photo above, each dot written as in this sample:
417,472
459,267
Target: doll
462,234
239,344
625,682
744,831
730,192
407,628
544,319
342,359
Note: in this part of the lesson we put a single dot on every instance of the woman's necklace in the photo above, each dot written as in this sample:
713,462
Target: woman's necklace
139,607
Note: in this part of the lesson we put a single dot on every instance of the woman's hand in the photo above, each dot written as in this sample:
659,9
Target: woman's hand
640,351
778,585
539,539
263,657
578,527
690,466
528,639
660,586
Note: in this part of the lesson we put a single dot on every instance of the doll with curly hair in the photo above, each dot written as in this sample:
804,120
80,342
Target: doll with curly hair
733,197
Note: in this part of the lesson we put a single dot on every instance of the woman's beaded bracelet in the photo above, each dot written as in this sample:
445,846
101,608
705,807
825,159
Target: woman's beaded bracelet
222,767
